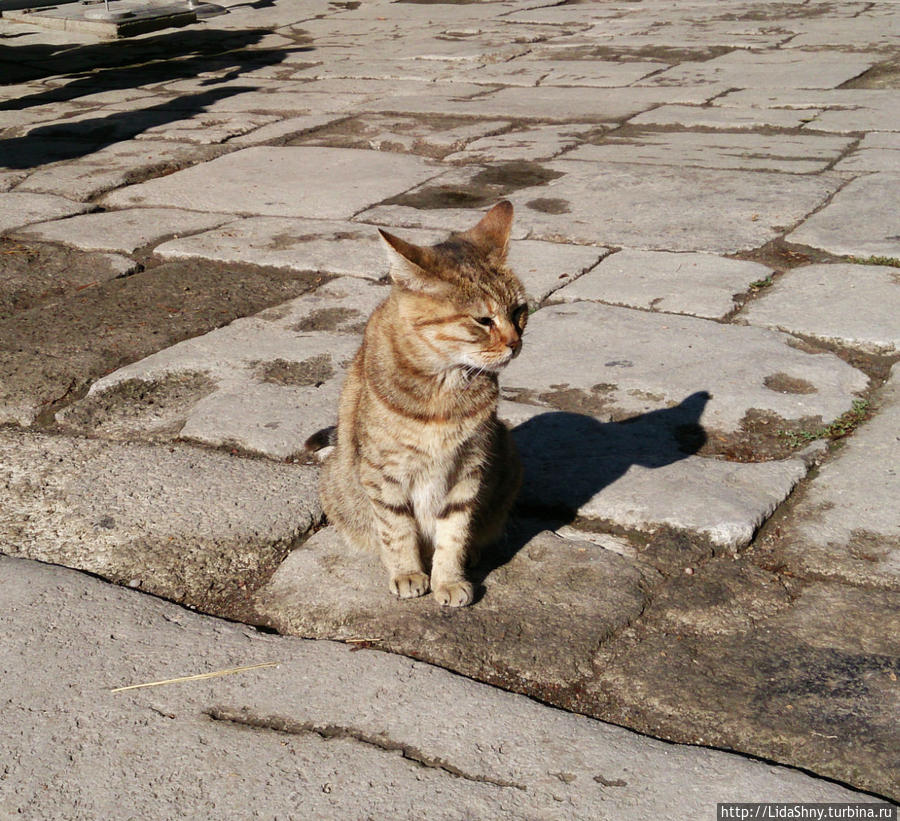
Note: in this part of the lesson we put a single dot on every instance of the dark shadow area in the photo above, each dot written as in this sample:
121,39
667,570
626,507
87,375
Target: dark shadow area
570,457
122,65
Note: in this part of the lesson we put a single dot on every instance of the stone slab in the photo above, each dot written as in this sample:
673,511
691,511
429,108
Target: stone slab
855,222
263,384
851,305
741,657
701,285
209,128
845,525
543,267
125,230
290,182
773,152
332,246
259,738
769,69
46,360
631,362
20,208
730,117
325,590
88,170
678,209
529,144
194,526
34,274
641,476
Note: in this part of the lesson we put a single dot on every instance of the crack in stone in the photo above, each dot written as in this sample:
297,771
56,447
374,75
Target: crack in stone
329,731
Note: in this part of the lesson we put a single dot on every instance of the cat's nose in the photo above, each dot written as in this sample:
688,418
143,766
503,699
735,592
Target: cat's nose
515,344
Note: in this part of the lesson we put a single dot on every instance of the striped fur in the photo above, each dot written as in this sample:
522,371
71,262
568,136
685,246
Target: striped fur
423,471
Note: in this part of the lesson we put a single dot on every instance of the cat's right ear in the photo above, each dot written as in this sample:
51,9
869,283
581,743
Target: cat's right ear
409,265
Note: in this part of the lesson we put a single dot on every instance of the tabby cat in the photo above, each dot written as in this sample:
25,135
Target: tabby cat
423,471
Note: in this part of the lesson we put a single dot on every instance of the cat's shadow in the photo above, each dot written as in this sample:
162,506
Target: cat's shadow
570,457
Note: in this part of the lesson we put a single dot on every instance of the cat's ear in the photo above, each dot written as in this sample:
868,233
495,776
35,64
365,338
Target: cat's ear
492,233
410,264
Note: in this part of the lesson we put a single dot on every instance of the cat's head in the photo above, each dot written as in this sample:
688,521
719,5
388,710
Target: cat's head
459,297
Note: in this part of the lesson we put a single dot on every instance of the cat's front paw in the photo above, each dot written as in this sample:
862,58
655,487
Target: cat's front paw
455,594
409,585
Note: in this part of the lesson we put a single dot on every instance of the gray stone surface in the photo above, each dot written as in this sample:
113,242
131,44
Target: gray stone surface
543,267
845,525
125,230
334,246
338,733
856,222
630,362
20,208
680,209
701,285
853,305
197,527
263,383
730,118
294,182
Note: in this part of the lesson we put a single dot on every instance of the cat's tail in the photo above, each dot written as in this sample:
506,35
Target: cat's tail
321,440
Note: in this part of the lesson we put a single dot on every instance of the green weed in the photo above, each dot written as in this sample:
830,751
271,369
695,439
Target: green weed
838,429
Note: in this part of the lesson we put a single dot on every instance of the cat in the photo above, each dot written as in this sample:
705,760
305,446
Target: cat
422,470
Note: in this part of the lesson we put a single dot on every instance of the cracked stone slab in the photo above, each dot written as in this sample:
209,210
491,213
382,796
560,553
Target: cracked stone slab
194,526
325,590
50,354
852,305
845,526
731,117
702,285
677,209
640,475
549,103
787,153
855,222
295,181
740,657
86,175
125,230
332,246
544,267
769,69
263,383
208,128
371,732
20,208
630,362
541,143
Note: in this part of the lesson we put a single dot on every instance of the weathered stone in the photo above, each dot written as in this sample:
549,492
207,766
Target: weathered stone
852,305
677,209
543,267
125,230
697,284
776,152
262,384
194,526
640,475
771,69
733,656
44,364
856,222
628,362
18,208
730,117
291,182
208,128
90,170
845,526
325,590
330,246
530,144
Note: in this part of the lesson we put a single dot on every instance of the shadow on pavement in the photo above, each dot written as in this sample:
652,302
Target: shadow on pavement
570,457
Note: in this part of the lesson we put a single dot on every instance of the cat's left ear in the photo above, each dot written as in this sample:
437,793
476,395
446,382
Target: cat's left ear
492,233
410,265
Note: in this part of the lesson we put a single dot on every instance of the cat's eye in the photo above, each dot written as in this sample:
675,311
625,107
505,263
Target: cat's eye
486,321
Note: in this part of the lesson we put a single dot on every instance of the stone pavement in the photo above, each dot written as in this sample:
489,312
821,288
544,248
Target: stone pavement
707,545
